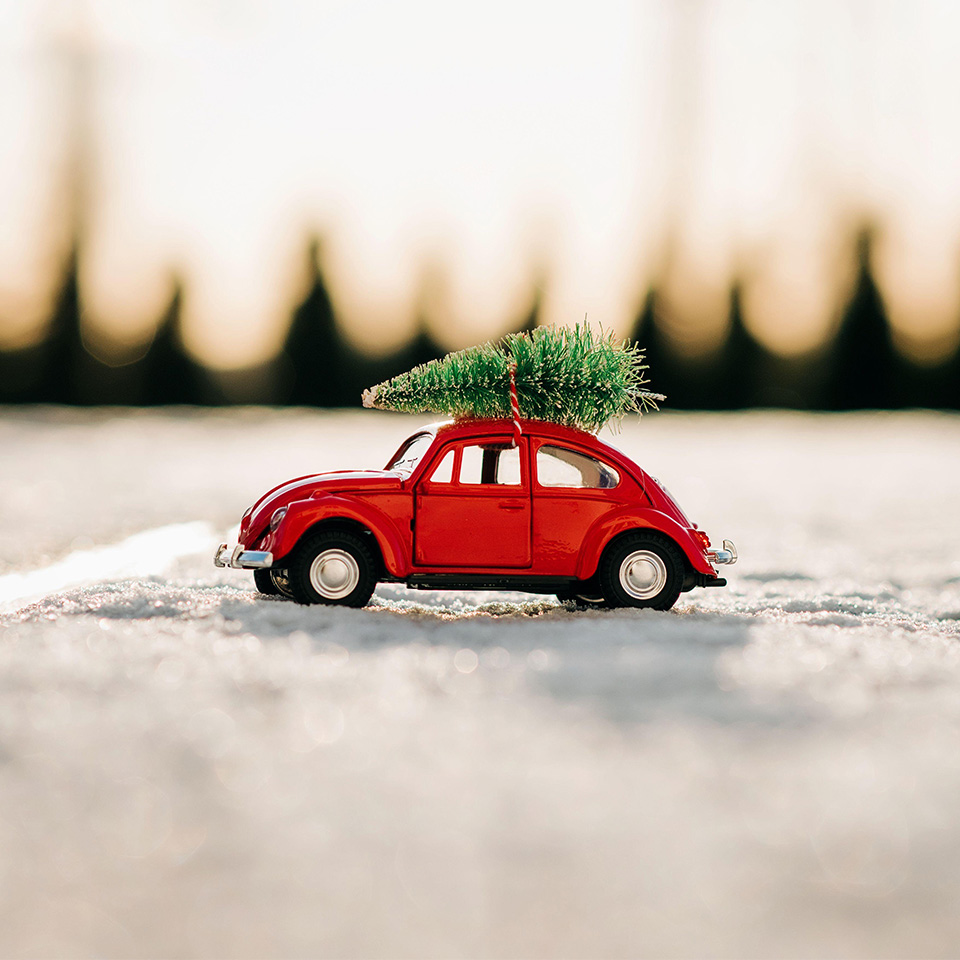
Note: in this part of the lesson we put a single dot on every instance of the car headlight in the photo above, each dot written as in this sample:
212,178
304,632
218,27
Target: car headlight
278,515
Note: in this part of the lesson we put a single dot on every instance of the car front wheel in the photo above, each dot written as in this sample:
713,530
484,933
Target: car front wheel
642,570
273,583
333,568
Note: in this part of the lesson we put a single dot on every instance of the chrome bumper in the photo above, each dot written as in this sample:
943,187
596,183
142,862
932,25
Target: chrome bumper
241,559
727,555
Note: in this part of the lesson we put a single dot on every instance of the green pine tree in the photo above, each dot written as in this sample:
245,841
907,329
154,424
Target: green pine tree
571,376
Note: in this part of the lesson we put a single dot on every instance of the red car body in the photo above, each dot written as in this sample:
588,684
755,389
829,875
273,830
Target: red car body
460,506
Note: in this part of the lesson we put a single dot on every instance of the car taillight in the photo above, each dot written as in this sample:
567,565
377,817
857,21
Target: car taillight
703,538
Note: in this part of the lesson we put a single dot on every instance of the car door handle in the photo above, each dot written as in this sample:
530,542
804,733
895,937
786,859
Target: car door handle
511,506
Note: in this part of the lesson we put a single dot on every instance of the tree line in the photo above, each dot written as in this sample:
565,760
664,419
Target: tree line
860,368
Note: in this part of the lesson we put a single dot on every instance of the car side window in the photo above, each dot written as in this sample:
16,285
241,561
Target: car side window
493,463
443,473
559,467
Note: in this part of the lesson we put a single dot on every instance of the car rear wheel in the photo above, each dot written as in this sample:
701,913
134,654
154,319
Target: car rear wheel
642,570
273,583
584,593
333,568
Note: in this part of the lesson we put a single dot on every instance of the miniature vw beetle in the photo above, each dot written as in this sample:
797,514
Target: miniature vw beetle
465,505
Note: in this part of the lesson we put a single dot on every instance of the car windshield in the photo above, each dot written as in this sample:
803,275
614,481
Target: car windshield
408,456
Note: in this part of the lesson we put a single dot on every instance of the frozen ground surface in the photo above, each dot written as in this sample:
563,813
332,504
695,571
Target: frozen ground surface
187,769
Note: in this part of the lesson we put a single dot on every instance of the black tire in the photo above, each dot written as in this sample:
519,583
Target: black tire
642,570
265,583
334,567
273,583
585,594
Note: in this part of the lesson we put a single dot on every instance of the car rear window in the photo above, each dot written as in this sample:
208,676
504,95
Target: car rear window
560,467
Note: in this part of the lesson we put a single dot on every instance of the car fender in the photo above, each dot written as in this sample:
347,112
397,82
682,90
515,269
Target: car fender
633,518
303,514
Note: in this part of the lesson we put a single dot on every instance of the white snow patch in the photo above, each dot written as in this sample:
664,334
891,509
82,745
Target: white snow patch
143,554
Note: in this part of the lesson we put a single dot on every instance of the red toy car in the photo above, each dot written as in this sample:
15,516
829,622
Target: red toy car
459,506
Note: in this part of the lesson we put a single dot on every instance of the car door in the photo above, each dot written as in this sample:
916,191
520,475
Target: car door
473,508
572,490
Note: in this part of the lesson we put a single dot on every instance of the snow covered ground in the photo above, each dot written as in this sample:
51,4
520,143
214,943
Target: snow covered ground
189,769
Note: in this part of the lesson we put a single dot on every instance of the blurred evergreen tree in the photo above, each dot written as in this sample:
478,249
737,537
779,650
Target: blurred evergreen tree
688,383
170,375
648,335
61,369
864,364
750,375
98,382
948,382
69,372
918,385
20,373
63,348
740,362
951,394
321,365
792,383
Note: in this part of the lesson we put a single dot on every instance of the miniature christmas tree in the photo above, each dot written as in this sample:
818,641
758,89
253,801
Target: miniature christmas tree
571,376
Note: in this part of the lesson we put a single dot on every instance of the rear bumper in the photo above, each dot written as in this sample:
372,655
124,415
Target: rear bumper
727,555
242,559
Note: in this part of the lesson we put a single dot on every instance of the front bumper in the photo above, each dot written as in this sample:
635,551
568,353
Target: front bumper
727,555
242,559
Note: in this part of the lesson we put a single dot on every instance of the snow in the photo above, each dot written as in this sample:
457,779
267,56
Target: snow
141,554
190,769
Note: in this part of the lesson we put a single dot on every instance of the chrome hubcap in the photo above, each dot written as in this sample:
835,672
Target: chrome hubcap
643,574
334,574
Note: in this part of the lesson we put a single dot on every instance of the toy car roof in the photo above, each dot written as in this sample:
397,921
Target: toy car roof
475,427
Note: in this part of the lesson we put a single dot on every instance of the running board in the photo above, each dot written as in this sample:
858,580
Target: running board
481,581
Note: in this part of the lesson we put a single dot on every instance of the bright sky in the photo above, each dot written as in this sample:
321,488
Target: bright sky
455,155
